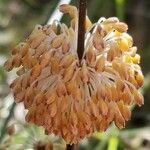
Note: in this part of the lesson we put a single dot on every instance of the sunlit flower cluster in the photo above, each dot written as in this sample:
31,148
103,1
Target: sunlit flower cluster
73,98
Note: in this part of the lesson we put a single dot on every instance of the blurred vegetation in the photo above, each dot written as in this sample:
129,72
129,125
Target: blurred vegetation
17,19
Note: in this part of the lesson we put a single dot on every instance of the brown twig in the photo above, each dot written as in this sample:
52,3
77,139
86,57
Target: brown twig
81,27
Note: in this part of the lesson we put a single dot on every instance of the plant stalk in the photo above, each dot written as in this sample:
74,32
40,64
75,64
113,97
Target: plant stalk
81,27
71,147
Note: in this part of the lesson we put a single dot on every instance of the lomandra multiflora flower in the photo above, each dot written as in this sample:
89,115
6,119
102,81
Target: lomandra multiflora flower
73,98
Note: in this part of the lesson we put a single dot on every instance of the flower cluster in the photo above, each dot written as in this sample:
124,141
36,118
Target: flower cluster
73,98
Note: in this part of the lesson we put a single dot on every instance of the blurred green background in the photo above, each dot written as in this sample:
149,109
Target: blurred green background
17,19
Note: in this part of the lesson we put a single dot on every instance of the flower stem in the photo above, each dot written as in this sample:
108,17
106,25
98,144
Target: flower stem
81,27
71,147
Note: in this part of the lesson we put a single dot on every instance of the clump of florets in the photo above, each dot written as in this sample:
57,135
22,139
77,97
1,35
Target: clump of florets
73,98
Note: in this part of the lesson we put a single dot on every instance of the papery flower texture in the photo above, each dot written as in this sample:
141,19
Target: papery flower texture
73,98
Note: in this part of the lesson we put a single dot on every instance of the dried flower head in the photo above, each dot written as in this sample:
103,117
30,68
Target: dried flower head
73,98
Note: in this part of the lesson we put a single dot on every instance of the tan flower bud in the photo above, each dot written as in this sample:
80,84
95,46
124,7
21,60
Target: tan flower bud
100,64
19,97
77,95
35,72
84,73
98,42
101,92
120,85
25,61
103,124
14,82
71,87
40,49
58,41
88,23
136,59
61,89
114,93
74,118
37,40
129,39
94,109
65,47
53,109
46,58
37,31
71,10
139,79
39,98
110,55
68,73
125,111
55,64
103,107
67,61
64,104
138,98
119,121
111,114
133,51
21,71
25,81
91,56
50,96
127,96
85,118
8,64
30,115
21,48
123,44
127,59
17,88
29,96
54,27
121,27
111,20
